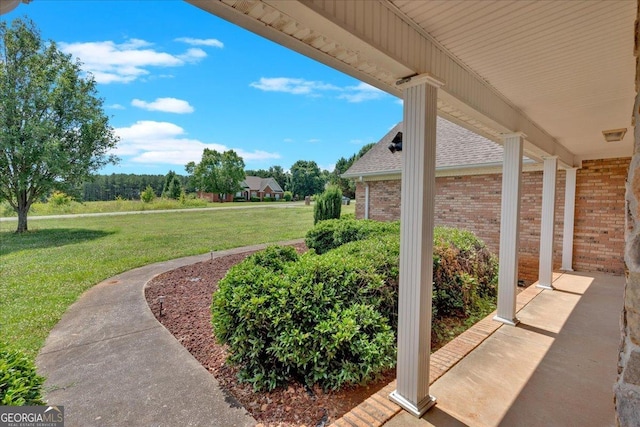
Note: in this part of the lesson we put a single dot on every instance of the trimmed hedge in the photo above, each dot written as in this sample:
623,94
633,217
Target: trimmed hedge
318,320
330,319
19,383
332,233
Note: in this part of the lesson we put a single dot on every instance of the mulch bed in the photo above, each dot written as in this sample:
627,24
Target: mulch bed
187,315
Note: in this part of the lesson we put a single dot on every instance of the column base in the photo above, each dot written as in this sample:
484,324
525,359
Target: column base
511,322
417,411
547,287
566,269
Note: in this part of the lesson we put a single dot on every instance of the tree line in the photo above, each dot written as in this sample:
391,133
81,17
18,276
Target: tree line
305,178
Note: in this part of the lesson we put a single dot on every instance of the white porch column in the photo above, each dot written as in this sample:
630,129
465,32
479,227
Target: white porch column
569,215
510,228
416,245
547,224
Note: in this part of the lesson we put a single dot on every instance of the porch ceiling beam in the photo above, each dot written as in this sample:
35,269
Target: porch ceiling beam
383,45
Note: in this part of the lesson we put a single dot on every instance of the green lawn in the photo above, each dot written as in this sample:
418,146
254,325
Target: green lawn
43,209
44,271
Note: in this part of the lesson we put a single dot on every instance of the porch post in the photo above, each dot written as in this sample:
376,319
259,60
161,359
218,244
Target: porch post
548,218
416,245
509,228
569,214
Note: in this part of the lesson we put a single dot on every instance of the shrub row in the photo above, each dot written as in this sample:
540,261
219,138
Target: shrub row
331,319
332,233
315,319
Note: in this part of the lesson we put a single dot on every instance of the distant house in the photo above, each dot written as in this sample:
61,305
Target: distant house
468,195
260,188
253,187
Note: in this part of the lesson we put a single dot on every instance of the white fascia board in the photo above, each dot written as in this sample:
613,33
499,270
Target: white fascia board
528,165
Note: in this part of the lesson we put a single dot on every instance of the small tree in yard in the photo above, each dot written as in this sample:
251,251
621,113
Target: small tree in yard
53,132
172,186
218,173
148,195
328,204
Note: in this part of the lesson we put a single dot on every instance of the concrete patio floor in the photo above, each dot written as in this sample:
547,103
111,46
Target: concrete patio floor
556,368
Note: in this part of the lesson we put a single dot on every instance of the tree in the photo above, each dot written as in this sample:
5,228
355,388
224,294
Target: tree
347,186
283,178
306,179
53,131
172,186
328,205
218,173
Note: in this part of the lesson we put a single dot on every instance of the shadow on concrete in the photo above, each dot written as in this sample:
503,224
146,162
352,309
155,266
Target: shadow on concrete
42,239
572,384
537,330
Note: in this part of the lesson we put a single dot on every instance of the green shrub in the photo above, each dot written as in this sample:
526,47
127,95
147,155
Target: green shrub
255,199
148,195
328,205
58,198
19,383
287,196
464,271
316,320
331,318
330,234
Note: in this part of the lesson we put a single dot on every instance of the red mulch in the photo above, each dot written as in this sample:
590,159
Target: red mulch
187,315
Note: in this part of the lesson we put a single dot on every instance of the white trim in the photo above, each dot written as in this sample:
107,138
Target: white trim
510,229
366,200
417,217
547,223
569,216
425,78
493,168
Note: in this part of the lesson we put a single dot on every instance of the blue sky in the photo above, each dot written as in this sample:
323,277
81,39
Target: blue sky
176,79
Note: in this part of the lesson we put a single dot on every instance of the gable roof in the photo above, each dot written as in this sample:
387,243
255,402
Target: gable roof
255,183
457,147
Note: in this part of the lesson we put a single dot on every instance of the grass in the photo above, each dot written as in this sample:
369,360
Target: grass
48,268
43,209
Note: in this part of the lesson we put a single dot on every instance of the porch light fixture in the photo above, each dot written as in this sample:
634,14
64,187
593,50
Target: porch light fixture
614,135
396,143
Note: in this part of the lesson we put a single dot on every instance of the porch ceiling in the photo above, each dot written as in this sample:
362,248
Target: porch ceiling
559,71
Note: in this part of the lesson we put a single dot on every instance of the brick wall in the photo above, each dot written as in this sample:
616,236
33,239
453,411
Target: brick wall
473,203
600,215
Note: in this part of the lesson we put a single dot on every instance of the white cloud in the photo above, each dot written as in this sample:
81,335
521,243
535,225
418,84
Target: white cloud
167,105
356,141
400,101
293,86
110,62
287,140
359,93
313,140
115,107
152,142
201,42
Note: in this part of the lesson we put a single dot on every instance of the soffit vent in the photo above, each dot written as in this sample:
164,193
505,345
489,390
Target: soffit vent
614,135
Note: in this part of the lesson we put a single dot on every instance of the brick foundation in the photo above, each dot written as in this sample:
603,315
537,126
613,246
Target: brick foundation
473,202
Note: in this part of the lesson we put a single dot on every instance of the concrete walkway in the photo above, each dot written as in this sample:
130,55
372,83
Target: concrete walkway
556,368
111,363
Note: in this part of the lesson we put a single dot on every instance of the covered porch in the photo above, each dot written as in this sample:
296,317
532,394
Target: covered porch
556,367
553,81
